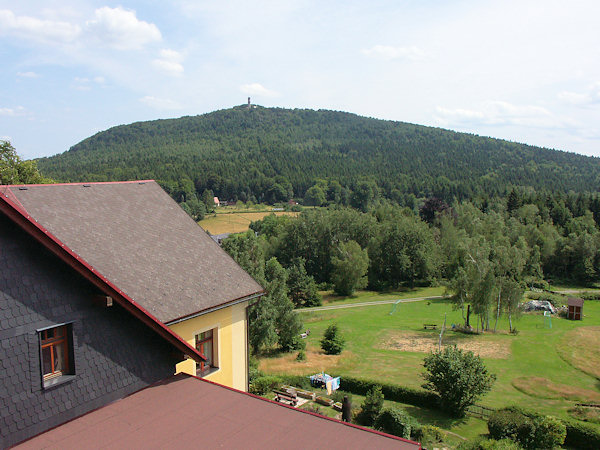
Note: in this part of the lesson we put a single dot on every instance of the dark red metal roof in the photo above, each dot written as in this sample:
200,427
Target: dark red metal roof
187,412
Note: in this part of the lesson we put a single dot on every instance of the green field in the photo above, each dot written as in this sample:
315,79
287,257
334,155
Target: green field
232,220
541,368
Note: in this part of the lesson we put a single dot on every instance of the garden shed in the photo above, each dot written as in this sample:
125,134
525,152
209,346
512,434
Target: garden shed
575,311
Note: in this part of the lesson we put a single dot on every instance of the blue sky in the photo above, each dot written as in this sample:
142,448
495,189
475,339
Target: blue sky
527,71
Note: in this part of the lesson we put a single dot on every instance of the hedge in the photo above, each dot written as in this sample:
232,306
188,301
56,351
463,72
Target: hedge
579,435
265,384
393,392
358,386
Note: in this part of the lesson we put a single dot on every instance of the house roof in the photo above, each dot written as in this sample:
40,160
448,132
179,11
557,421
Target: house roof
137,237
574,301
186,412
14,211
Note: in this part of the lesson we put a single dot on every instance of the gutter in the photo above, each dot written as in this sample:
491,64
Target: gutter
248,298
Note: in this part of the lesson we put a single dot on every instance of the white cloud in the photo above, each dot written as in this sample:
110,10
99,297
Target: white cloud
587,98
13,112
257,89
50,31
389,53
86,84
159,103
169,61
121,29
27,75
502,113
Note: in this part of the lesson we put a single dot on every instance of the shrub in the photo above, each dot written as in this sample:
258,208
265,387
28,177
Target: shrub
300,381
459,378
538,284
301,356
264,384
371,407
590,295
528,429
253,371
549,432
332,342
511,424
395,421
556,299
338,396
427,435
582,436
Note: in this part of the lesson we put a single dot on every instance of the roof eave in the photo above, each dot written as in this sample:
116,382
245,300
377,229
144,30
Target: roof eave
246,298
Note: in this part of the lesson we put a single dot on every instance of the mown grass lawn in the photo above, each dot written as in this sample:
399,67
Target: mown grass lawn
544,369
235,221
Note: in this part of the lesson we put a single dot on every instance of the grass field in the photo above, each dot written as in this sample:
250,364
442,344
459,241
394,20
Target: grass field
235,220
541,368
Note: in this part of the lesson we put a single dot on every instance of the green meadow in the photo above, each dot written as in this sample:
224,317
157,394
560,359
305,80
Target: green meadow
547,366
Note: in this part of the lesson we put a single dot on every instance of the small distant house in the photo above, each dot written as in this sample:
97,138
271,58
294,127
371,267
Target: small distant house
218,238
216,201
575,311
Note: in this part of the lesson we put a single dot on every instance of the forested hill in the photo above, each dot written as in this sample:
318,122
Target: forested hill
273,154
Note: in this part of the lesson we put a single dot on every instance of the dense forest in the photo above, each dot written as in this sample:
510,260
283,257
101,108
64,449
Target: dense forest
486,257
273,154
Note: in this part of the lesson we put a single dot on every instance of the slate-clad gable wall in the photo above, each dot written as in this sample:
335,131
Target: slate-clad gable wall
114,353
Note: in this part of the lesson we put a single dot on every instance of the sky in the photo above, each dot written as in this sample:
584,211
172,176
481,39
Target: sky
526,71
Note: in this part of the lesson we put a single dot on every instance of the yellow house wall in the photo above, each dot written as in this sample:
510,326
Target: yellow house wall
230,343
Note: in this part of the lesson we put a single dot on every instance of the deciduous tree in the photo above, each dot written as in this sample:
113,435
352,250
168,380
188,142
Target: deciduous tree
350,266
459,377
13,170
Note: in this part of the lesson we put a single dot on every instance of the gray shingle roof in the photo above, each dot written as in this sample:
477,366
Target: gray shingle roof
136,236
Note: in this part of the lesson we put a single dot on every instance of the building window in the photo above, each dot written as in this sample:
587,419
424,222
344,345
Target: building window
205,344
55,346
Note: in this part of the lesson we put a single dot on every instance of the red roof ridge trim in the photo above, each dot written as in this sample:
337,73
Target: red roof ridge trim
57,247
81,183
8,193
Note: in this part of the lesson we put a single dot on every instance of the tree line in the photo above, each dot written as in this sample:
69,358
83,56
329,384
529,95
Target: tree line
486,254
326,157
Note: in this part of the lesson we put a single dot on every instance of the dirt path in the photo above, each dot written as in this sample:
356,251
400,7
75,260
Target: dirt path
375,303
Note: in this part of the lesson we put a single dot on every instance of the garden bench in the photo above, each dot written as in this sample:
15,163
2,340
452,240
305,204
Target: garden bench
430,326
288,395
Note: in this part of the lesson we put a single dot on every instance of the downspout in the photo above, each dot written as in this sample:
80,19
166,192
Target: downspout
247,350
